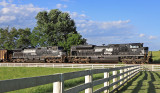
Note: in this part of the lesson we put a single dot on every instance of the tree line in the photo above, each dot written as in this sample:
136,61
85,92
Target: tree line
53,28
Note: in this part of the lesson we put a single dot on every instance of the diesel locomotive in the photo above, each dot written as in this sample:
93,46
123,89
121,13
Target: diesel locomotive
44,54
131,53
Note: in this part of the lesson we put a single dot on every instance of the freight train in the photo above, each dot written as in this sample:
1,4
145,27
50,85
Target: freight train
131,53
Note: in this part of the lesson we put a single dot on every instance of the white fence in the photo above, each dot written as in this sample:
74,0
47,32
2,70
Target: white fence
148,67
120,75
55,65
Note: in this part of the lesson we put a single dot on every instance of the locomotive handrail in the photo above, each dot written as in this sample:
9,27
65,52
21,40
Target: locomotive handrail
125,74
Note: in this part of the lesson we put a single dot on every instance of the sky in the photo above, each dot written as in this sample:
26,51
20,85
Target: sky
99,21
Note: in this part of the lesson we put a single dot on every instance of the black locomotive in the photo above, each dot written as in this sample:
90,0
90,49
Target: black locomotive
132,53
44,54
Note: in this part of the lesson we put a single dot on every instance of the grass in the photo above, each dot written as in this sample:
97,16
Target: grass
156,57
21,72
144,82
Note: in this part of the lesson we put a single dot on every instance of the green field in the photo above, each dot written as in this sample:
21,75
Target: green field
144,82
156,57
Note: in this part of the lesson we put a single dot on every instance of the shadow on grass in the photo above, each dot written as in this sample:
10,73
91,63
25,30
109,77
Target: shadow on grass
129,83
75,82
140,83
151,88
138,86
156,74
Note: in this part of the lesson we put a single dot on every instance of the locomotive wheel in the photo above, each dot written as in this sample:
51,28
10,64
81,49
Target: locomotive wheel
47,60
87,62
124,62
134,62
22,60
13,60
18,60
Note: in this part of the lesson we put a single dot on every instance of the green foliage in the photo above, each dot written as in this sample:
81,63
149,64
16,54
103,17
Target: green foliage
72,39
14,38
55,28
23,38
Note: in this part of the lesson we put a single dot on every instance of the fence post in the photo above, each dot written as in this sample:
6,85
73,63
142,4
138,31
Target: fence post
140,68
114,79
121,71
88,79
152,67
128,73
125,75
106,75
132,72
72,65
58,87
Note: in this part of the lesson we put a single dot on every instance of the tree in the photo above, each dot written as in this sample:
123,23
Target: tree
55,28
14,38
23,39
8,38
72,39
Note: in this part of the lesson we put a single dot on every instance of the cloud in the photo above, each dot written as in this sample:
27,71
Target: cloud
94,28
152,37
61,6
6,19
20,16
141,35
77,16
108,32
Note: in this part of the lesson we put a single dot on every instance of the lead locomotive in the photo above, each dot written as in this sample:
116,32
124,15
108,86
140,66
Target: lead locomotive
131,53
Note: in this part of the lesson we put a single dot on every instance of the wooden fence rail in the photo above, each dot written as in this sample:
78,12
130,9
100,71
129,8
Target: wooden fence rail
125,73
